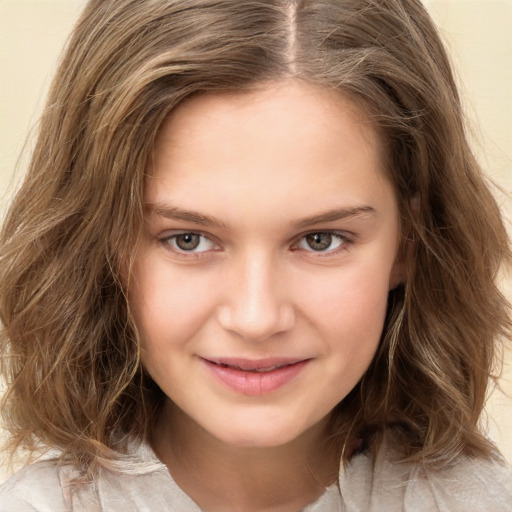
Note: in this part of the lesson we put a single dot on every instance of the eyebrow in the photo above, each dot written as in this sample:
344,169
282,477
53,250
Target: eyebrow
174,213
336,214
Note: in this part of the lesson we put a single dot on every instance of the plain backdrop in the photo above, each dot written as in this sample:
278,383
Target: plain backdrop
479,38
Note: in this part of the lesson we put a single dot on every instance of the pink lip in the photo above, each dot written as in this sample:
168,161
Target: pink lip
255,377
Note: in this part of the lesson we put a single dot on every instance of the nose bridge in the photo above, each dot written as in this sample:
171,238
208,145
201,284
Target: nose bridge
257,304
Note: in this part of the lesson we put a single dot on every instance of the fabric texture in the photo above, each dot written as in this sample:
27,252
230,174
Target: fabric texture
368,484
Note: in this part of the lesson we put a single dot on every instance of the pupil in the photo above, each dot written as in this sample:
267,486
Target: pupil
187,241
319,241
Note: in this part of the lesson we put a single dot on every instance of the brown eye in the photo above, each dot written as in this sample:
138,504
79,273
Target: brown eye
187,241
327,242
319,241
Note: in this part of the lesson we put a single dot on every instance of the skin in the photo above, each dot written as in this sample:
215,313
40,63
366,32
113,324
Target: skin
260,171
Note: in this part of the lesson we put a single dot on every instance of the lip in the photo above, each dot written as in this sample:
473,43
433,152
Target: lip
255,377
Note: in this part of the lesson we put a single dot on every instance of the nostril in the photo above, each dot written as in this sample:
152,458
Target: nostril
256,325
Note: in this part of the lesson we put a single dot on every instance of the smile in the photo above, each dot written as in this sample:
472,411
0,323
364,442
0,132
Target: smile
254,378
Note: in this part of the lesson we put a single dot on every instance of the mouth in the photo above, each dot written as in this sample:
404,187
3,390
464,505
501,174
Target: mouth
256,366
255,377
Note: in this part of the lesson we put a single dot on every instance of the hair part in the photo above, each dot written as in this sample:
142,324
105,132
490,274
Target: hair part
71,348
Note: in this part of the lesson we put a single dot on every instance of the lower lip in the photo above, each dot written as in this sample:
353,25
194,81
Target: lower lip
253,383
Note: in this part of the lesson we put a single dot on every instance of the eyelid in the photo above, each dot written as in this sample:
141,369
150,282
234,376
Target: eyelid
166,238
346,237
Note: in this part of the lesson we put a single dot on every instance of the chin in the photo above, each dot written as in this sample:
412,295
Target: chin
259,439
269,434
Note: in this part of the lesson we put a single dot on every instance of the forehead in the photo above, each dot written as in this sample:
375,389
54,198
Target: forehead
288,108
288,141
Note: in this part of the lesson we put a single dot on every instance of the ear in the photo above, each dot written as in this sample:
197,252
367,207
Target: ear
398,273
404,253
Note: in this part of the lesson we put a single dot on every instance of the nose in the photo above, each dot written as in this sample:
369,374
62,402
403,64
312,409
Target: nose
257,304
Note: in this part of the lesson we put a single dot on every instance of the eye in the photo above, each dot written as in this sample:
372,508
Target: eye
189,243
322,241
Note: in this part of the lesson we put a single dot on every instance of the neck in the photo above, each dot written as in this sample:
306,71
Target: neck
219,477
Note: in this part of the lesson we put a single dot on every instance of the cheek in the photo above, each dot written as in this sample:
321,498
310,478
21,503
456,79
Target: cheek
348,312
169,304
351,315
350,301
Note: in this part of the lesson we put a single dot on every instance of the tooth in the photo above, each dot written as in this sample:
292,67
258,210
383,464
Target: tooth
254,370
265,370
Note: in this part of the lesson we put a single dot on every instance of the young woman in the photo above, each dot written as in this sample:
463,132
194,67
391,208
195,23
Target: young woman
252,267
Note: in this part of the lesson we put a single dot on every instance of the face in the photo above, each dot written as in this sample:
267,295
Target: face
261,286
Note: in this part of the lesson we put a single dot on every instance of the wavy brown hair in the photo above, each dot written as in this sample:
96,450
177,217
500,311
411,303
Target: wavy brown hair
71,355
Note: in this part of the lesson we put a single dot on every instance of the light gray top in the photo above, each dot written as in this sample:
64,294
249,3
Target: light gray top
365,485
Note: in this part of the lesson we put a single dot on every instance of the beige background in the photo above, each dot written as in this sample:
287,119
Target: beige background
477,32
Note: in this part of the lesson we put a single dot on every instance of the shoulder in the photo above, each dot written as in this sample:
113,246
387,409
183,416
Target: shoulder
34,488
141,483
470,485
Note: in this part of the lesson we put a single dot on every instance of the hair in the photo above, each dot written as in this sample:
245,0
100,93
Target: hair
71,355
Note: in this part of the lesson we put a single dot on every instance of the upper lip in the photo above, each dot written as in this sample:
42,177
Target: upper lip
255,364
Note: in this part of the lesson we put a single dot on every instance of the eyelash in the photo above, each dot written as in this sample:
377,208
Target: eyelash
169,242
345,240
